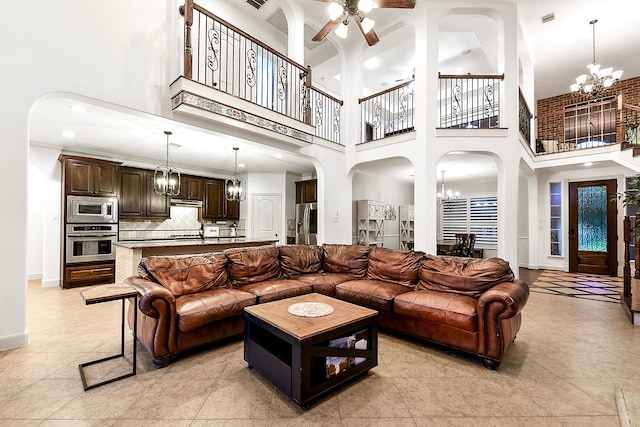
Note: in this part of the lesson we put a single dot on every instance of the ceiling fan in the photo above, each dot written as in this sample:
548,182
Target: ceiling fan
341,11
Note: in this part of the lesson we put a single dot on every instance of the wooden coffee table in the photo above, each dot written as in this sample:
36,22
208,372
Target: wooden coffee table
308,356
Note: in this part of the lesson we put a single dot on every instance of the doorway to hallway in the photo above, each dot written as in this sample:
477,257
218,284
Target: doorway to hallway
592,227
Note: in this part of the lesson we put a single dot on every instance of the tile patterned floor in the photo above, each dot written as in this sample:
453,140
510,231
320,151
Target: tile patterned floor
569,358
579,285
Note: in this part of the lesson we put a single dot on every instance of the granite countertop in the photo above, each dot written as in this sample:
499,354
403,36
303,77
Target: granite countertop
136,244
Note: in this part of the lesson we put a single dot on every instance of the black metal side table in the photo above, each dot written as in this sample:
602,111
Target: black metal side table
107,293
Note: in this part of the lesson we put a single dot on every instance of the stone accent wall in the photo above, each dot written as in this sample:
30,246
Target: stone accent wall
551,126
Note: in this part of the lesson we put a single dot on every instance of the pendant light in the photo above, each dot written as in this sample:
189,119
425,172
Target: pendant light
166,179
235,186
598,81
446,195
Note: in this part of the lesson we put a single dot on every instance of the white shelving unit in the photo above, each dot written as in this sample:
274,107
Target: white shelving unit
406,227
370,223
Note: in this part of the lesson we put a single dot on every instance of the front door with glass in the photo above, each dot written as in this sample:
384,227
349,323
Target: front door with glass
592,227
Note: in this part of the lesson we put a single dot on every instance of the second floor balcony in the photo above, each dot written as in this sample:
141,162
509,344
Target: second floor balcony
239,70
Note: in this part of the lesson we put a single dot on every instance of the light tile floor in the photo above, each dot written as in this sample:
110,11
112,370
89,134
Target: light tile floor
569,357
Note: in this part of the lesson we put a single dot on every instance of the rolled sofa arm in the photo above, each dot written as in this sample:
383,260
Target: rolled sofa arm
156,320
499,319
150,292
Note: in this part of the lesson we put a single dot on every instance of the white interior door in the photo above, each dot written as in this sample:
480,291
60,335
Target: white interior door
267,216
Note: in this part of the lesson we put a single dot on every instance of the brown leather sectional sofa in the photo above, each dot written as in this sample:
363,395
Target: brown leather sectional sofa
469,304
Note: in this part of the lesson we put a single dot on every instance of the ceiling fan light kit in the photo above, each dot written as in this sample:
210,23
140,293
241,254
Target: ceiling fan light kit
343,11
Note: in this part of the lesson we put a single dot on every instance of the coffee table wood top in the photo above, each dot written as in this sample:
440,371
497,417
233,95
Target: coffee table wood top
276,313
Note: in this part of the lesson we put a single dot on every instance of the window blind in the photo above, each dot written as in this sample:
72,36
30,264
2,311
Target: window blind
477,215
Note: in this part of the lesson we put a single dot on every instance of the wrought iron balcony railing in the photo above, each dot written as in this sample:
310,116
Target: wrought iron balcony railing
469,101
591,124
524,118
387,113
221,56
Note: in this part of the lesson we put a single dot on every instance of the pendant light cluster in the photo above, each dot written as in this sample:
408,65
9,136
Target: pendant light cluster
166,179
235,186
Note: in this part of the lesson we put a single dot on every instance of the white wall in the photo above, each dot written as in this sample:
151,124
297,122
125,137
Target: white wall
120,52
45,208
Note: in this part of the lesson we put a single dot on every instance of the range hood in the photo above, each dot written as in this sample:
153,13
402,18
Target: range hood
186,203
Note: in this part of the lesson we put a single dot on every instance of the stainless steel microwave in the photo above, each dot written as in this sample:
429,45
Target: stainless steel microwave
87,209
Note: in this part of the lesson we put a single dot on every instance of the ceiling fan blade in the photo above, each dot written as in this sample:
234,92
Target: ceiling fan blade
395,4
371,37
326,30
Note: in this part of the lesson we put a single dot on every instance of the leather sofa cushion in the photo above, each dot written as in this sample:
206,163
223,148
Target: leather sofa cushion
370,293
252,265
458,311
198,310
183,275
300,259
401,267
467,276
350,259
271,290
325,283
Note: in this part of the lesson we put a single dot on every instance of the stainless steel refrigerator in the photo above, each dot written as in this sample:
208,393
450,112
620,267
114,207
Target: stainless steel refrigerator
307,224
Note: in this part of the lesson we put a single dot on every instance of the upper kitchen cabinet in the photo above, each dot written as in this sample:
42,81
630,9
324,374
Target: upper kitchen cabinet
306,191
190,188
89,177
215,205
137,198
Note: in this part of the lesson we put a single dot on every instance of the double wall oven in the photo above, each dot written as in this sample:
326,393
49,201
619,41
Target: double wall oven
91,232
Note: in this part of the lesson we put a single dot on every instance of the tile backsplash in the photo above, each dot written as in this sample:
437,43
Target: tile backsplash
183,221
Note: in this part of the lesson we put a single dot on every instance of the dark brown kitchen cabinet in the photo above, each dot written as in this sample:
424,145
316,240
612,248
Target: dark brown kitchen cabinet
215,205
89,274
190,188
89,177
137,198
306,191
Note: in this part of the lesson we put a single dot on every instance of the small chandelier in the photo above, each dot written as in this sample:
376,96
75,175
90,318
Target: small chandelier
598,81
446,195
235,186
166,179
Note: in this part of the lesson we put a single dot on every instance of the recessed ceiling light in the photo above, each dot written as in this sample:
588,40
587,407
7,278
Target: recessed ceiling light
587,164
68,134
240,165
78,109
278,155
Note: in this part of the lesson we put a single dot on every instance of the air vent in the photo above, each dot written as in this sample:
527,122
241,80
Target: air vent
548,18
257,3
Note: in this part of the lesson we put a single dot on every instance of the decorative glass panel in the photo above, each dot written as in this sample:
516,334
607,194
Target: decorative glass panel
592,218
555,201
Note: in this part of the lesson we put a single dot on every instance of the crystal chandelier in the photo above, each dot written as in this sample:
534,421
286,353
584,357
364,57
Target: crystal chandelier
446,195
166,179
235,186
598,81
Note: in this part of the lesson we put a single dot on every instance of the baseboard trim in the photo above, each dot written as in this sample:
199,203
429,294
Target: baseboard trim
50,283
34,276
14,341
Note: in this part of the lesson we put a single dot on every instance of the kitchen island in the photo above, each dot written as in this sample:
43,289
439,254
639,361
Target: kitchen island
130,252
